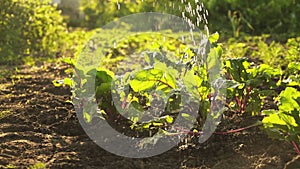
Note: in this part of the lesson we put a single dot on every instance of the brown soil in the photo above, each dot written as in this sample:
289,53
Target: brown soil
38,126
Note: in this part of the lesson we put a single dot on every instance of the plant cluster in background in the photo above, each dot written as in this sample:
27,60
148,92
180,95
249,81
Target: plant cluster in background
261,49
29,28
35,29
276,17
280,18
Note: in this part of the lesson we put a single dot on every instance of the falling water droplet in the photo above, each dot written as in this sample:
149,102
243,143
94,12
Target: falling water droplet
205,20
115,44
206,29
118,5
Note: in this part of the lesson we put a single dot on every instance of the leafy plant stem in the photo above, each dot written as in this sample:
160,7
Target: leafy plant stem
183,131
296,147
238,101
238,130
165,83
244,100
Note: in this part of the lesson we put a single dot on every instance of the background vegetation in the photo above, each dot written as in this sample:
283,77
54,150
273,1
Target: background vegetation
37,28
253,17
29,28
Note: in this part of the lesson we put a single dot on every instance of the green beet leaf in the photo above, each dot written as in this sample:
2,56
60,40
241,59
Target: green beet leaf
147,79
284,124
289,99
214,37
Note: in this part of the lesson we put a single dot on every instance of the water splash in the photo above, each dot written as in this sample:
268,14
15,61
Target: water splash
194,13
118,5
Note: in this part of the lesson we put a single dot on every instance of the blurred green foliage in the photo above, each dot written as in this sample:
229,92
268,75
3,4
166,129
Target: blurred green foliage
230,17
262,50
36,28
29,28
255,16
98,12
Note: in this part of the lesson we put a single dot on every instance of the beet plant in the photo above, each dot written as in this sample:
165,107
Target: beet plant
249,85
284,123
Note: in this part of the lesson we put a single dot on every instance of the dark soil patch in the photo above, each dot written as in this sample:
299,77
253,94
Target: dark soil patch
37,125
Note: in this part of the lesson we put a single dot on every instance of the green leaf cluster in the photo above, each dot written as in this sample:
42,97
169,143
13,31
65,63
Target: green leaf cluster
178,69
284,123
249,84
263,50
255,17
29,28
